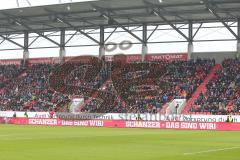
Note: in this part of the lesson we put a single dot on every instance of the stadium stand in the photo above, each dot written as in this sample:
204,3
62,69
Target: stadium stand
8,72
30,91
166,78
121,88
223,92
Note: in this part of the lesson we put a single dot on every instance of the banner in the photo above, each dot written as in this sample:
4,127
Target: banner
1,120
167,57
154,57
123,116
130,58
22,114
126,124
10,61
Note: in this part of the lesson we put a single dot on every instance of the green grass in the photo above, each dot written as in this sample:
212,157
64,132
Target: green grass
75,143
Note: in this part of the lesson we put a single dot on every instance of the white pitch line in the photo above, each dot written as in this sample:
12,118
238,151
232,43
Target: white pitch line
213,150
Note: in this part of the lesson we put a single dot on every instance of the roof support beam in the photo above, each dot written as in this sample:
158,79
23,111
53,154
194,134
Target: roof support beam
62,38
197,30
71,37
238,28
62,20
169,23
102,42
42,35
29,3
29,28
130,32
190,42
155,29
102,35
110,34
36,38
109,18
165,19
124,28
151,5
62,51
26,40
144,44
144,33
221,20
238,41
34,41
13,42
190,31
2,41
17,3
26,47
77,29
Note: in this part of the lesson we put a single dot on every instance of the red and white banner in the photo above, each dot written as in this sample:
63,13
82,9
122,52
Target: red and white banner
154,57
10,61
159,57
125,124
130,58
50,60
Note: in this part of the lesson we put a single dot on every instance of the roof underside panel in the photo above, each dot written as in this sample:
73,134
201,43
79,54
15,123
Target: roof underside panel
82,15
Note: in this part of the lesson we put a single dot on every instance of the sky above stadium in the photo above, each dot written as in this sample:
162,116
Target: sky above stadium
26,3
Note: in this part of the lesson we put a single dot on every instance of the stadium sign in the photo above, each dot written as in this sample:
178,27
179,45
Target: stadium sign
122,116
218,126
109,58
153,57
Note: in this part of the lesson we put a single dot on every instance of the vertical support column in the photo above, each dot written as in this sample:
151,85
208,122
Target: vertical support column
238,40
190,42
102,42
62,51
26,46
144,44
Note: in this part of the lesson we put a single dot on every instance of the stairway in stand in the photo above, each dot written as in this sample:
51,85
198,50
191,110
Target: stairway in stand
164,109
202,88
94,96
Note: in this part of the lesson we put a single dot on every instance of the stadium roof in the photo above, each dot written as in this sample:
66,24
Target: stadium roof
81,15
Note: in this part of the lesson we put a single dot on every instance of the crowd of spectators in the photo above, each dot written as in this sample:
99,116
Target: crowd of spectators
223,91
79,77
104,102
30,91
146,87
8,72
138,87
186,76
84,78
